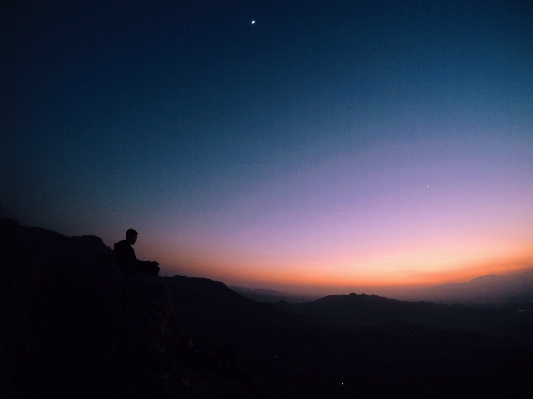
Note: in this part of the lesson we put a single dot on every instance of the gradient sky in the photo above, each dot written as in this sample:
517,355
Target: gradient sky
328,146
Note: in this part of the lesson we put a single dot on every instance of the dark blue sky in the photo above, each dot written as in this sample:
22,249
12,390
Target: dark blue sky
227,142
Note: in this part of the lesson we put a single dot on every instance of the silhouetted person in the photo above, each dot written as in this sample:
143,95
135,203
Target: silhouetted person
126,259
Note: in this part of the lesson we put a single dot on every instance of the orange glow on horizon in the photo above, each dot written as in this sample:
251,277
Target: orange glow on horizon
249,272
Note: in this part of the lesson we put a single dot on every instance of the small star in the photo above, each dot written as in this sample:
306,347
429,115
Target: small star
253,21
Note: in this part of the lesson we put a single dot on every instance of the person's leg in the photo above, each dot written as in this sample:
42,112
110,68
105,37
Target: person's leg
149,268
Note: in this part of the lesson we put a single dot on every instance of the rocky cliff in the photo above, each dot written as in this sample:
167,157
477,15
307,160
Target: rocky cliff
74,326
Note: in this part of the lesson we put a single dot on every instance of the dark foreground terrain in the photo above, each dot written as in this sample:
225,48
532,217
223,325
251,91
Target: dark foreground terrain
72,325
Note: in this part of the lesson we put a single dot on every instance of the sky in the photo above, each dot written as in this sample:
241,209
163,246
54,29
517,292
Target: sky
305,146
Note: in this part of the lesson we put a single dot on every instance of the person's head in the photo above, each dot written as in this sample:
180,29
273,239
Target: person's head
131,236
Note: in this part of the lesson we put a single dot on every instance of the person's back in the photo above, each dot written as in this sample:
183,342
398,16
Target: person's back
125,256
126,259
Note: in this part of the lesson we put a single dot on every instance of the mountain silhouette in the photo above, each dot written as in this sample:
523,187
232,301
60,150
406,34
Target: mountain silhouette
514,319
266,295
484,289
72,325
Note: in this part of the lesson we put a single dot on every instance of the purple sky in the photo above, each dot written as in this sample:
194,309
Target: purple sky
329,146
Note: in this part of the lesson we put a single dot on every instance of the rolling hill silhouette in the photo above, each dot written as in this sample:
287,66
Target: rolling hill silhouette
72,325
267,295
514,319
483,289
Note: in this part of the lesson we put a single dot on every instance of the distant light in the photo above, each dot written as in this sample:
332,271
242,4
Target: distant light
253,21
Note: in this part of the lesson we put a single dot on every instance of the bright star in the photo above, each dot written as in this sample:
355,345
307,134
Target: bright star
253,22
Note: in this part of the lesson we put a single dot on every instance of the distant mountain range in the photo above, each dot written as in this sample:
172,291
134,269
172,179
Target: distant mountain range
72,325
267,295
203,296
491,288
481,290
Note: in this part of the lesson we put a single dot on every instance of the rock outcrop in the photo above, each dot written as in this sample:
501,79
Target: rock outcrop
74,326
